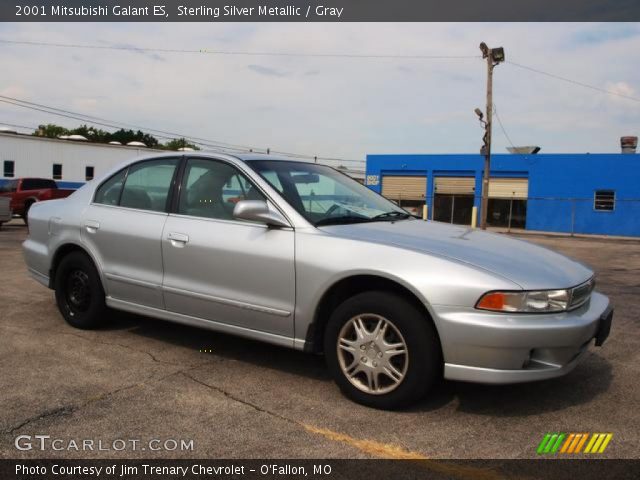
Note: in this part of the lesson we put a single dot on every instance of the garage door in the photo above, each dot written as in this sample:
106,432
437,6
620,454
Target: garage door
455,185
509,188
404,188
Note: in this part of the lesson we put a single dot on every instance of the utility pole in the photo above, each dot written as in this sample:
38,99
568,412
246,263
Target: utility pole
494,56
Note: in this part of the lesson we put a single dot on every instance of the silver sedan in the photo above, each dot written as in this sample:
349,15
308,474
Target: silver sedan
302,256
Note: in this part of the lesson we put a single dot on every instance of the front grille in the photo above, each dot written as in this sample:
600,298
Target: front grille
582,293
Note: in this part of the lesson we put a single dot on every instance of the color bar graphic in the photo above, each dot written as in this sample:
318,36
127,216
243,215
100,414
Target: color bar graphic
572,443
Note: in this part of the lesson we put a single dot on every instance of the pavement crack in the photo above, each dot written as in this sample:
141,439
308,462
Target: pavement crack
67,409
235,398
71,409
121,345
56,412
102,342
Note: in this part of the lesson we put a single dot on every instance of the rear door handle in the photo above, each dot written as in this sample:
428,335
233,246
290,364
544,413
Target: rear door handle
178,239
92,226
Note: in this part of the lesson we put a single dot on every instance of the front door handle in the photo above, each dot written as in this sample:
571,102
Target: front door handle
92,226
178,239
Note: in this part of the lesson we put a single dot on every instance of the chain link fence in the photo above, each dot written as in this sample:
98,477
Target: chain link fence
604,215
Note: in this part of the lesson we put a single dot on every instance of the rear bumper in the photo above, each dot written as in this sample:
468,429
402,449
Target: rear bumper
494,348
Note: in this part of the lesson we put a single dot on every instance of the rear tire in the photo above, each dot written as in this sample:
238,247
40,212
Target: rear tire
382,350
79,293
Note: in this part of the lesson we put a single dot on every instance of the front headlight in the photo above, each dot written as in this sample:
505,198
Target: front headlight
544,301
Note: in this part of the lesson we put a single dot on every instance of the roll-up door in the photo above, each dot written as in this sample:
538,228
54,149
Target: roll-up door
404,188
509,188
455,185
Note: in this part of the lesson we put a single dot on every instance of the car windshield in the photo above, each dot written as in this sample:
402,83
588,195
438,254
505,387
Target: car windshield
325,196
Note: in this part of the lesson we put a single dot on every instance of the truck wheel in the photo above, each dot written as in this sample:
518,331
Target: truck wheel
79,293
382,350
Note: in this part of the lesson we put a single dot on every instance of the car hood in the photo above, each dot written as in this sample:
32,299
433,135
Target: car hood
528,265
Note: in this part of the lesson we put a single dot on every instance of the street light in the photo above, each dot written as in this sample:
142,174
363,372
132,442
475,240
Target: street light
494,57
497,54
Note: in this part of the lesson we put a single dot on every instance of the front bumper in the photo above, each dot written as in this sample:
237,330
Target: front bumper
488,347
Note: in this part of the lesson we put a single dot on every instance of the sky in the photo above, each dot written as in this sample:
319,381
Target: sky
335,107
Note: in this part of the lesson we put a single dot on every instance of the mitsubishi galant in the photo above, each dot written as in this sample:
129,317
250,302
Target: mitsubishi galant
300,255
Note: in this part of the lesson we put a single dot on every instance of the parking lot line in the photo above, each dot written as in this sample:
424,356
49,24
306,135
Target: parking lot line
395,452
378,449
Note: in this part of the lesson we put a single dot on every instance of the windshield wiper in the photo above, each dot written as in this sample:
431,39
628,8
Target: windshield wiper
342,220
393,214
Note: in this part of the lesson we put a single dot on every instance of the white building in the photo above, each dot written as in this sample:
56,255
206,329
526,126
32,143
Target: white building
68,162
71,163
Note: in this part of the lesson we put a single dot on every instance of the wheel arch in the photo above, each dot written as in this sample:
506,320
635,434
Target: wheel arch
26,205
349,286
29,201
65,249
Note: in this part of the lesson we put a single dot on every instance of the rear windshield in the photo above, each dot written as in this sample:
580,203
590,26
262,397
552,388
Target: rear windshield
38,184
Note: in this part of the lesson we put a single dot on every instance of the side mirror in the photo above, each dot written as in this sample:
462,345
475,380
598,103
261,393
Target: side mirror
259,211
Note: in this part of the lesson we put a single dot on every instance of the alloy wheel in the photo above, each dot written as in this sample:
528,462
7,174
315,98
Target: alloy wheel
372,354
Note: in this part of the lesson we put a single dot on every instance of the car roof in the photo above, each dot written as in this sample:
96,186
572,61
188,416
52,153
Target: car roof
242,157
247,157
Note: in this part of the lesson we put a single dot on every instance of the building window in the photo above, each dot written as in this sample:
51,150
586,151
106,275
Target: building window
8,170
57,171
88,173
604,200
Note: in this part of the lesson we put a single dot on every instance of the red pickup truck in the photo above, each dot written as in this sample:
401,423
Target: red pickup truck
24,192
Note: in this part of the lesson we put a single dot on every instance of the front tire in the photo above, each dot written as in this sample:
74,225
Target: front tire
382,351
79,293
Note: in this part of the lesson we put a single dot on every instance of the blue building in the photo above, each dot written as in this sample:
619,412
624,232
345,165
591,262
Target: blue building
572,193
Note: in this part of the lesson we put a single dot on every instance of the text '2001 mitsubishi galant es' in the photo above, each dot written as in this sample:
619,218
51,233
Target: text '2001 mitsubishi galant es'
301,255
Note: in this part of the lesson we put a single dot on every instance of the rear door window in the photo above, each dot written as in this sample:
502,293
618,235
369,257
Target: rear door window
109,191
148,184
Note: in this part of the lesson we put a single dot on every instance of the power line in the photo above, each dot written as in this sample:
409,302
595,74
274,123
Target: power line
7,124
495,110
44,110
159,133
525,157
574,82
207,51
133,48
110,123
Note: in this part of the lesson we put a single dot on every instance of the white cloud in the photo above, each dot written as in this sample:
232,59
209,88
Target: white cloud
85,105
13,91
335,106
621,90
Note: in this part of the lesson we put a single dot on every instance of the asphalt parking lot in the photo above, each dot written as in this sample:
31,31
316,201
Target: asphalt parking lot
142,379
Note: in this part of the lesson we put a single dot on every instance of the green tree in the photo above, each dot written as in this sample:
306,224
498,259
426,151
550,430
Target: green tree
178,143
92,134
97,135
50,130
125,136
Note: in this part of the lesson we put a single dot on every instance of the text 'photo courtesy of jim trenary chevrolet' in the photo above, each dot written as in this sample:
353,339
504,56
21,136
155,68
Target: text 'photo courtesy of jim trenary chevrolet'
251,240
